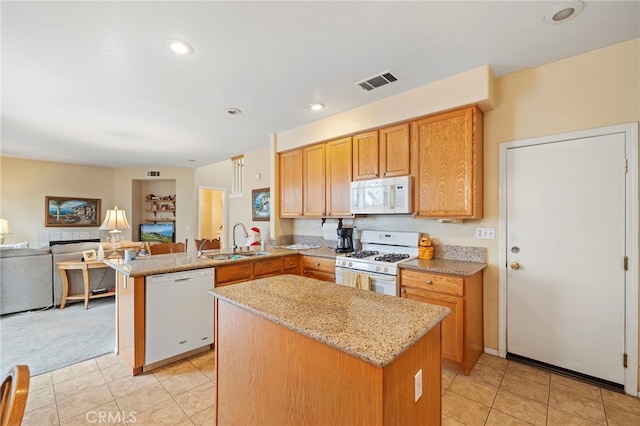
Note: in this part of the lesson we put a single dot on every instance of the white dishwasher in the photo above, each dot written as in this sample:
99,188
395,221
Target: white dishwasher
178,313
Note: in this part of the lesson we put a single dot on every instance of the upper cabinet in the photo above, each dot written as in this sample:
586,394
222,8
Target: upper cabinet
448,165
382,153
291,183
394,151
445,163
338,172
313,180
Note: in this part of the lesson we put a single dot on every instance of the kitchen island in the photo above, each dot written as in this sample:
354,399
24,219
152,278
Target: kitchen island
294,350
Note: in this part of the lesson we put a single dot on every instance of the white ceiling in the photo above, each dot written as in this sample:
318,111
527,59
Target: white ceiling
92,83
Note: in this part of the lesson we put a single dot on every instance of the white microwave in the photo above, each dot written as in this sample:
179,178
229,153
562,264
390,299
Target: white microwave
381,196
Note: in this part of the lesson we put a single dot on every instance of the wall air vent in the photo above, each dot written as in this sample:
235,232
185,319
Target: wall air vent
153,173
377,81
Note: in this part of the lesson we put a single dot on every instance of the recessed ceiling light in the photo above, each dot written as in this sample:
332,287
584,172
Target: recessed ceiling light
233,111
316,107
563,12
178,46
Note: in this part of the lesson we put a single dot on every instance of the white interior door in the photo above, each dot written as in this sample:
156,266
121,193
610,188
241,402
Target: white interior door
565,215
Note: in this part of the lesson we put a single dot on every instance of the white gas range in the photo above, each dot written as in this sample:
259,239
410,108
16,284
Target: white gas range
381,253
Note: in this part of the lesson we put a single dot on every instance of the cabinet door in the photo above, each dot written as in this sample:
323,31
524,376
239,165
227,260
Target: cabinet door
291,183
313,167
338,187
452,325
365,156
448,152
267,268
226,275
394,151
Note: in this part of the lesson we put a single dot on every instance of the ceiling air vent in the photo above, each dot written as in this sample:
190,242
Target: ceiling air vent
153,173
377,81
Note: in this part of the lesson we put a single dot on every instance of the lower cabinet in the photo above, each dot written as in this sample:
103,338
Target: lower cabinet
292,265
249,270
462,330
321,268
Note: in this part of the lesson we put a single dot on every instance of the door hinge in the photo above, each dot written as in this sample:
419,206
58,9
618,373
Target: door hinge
624,360
626,165
626,263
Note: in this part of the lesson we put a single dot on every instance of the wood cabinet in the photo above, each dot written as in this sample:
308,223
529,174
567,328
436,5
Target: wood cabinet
258,268
292,265
291,183
382,153
447,155
462,330
338,173
313,181
322,268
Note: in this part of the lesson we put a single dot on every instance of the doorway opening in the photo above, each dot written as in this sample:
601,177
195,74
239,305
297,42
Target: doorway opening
211,214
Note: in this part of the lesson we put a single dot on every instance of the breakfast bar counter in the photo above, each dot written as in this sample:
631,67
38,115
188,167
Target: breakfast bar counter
292,349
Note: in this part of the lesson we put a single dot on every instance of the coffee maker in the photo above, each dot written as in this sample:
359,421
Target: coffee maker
345,240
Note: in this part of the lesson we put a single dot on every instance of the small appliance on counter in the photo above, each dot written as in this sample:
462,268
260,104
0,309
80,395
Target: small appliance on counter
345,240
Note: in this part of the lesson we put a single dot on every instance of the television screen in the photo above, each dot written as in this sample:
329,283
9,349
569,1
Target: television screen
159,232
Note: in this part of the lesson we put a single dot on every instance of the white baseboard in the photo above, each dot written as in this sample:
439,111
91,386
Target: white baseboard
491,351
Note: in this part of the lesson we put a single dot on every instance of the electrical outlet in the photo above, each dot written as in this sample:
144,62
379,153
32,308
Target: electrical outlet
485,233
417,382
319,227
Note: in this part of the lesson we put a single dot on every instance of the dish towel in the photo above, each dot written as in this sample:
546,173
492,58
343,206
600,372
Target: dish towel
356,280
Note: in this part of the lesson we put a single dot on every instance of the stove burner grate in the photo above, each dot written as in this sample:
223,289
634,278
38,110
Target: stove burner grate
362,254
392,257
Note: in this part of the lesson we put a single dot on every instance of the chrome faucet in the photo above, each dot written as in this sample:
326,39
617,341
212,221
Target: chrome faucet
246,235
202,245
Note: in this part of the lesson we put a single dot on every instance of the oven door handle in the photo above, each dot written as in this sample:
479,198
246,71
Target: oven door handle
372,275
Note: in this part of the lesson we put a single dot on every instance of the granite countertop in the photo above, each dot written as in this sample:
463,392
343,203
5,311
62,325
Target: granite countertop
371,326
156,264
442,266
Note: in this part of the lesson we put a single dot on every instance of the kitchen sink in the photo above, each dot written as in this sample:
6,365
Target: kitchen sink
252,253
233,256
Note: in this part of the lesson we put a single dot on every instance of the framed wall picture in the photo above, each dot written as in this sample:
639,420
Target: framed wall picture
261,204
72,211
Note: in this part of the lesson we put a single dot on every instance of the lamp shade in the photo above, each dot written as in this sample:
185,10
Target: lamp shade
115,219
4,226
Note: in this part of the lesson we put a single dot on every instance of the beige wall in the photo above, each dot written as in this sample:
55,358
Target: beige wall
25,183
596,89
257,174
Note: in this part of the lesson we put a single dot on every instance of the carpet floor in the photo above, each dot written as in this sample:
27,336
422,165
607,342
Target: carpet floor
55,338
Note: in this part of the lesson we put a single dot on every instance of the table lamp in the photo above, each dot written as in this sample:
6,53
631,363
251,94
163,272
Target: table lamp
4,229
115,220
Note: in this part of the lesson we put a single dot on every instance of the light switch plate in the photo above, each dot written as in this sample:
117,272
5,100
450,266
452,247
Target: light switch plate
485,233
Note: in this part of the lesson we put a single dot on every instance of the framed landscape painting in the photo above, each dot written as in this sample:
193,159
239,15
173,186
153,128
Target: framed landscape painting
261,204
72,211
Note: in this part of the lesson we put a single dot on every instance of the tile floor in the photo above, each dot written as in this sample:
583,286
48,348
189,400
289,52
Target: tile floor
497,392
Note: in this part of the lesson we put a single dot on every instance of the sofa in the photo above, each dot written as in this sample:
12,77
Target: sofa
26,279
29,278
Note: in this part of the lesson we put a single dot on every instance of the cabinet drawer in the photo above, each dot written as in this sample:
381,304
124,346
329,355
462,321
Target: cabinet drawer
267,267
324,276
433,282
291,264
227,274
323,264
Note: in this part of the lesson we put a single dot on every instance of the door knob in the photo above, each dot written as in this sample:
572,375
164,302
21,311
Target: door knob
515,265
